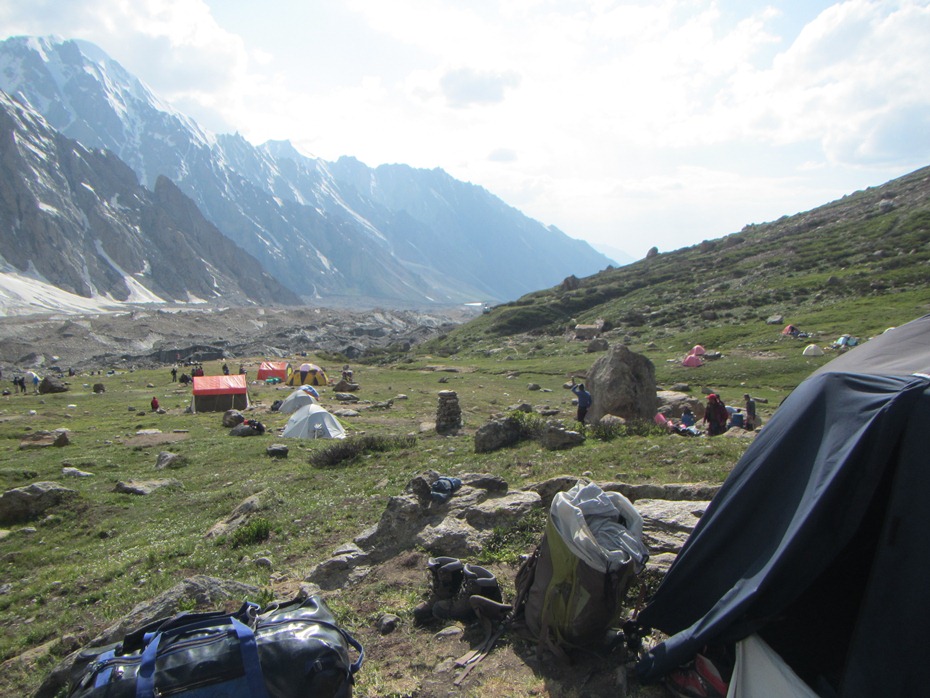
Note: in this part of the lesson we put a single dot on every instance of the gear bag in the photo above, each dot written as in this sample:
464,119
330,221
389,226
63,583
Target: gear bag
294,649
570,591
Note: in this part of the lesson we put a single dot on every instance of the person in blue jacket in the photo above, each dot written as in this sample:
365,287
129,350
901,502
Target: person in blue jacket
584,400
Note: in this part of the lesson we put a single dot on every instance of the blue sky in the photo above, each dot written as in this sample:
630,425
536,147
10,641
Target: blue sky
627,124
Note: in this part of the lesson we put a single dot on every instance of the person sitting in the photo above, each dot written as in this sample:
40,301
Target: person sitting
687,417
154,404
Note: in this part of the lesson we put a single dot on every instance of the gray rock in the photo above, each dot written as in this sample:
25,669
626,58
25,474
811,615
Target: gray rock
556,437
100,388
31,501
622,383
596,345
347,397
671,403
68,471
497,434
346,412
277,451
247,508
533,386
144,487
232,418
244,430
45,439
52,385
388,623
166,459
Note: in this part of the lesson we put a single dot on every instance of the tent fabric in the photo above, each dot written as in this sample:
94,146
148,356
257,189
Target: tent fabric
315,376
313,422
220,385
273,369
692,360
789,329
296,400
761,673
899,351
698,350
812,350
817,541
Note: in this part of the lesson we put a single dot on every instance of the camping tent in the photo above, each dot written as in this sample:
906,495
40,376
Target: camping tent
219,393
313,422
698,350
274,369
315,376
817,542
812,350
296,400
692,360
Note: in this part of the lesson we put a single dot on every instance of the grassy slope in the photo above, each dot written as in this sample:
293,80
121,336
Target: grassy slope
857,267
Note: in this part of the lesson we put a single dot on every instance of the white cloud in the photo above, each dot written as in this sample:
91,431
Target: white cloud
594,115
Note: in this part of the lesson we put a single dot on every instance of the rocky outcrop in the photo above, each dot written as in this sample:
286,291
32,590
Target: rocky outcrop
458,527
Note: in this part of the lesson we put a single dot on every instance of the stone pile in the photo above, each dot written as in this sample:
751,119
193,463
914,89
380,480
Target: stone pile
448,413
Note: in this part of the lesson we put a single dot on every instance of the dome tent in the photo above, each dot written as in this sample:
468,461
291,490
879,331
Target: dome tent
296,400
313,422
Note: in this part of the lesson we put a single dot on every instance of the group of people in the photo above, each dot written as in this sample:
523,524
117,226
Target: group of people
20,382
719,417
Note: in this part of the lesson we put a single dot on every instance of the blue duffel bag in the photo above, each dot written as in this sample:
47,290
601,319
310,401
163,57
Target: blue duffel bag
286,650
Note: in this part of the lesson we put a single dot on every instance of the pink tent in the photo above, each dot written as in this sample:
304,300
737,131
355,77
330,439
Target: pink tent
692,360
698,350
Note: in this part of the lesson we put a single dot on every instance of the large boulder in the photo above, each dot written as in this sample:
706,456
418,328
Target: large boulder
622,383
52,385
26,503
232,418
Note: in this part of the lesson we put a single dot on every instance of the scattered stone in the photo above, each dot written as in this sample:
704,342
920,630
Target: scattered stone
344,386
277,451
144,487
497,434
263,562
556,437
245,430
232,418
242,513
346,412
148,432
347,397
388,623
167,459
26,503
533,386
596,345
99,388
521,407
44,439
74,472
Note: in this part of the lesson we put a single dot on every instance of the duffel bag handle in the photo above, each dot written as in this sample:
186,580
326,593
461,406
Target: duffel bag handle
137,640
145,680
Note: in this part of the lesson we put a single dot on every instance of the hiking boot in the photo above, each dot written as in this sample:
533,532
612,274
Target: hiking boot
484,607
481,582
478,581
445,577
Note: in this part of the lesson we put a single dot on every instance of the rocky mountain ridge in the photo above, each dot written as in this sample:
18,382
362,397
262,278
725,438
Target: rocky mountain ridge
336,231
77,218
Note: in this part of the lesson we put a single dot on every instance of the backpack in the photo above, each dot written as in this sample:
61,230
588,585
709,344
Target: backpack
570,591
294,649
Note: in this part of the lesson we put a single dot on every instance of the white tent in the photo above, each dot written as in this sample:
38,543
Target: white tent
812,350
313,422
295,401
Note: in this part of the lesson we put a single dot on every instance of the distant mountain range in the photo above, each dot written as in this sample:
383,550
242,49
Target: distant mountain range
339,232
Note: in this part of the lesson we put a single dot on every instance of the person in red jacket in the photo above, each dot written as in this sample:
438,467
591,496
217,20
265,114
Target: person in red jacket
154,404
715,415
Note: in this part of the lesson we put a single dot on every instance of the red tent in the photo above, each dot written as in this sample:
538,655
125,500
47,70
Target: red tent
220,393
274,369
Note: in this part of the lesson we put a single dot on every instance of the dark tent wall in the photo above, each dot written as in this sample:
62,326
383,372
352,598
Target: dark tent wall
220,403
818,540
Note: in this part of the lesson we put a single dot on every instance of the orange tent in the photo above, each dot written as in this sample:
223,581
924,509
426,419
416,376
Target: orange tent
220,393
274,369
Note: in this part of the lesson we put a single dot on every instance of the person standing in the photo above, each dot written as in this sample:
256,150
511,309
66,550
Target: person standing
174,374
584,400
715,415
225,369
750,412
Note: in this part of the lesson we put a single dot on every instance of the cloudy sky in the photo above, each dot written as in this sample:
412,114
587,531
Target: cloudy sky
627,124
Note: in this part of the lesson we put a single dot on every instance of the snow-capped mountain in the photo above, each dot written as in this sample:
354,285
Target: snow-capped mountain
78,231
325,230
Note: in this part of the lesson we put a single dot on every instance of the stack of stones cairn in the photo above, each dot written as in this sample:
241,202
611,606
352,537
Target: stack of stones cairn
448,413
457,589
